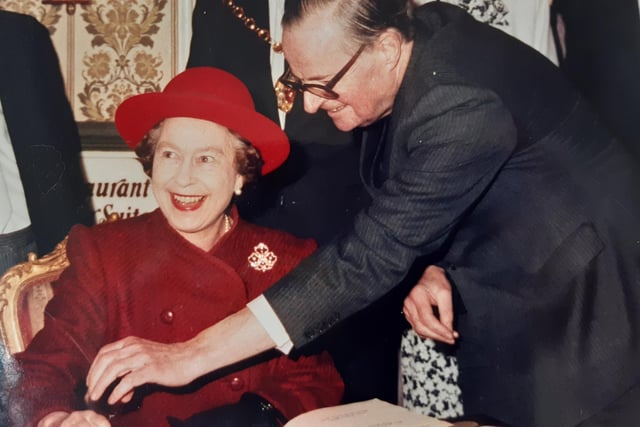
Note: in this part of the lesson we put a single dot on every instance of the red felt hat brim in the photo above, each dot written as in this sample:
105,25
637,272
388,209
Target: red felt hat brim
138,114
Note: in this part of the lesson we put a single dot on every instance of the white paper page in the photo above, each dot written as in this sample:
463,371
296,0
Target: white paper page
369,413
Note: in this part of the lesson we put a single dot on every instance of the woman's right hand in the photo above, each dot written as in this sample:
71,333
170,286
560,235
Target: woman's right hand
86,418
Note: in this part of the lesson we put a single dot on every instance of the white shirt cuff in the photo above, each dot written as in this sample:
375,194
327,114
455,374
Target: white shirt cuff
268,318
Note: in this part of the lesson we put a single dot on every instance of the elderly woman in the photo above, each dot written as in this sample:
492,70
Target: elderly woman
167,275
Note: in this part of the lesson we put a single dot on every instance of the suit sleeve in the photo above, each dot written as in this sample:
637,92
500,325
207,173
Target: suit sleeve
55,364
455,148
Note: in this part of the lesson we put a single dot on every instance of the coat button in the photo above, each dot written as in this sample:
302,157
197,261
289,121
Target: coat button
167,316
236,383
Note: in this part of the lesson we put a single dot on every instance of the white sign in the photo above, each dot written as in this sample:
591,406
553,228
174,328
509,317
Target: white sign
118,184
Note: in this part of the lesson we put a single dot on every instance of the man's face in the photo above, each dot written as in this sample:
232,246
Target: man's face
316,49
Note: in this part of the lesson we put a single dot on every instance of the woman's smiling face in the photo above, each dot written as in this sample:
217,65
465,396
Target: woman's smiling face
194,177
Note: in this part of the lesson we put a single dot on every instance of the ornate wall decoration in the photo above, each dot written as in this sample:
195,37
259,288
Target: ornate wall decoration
47,15
121,61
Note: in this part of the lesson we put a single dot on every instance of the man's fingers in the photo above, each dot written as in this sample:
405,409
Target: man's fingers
127,397
426,324
443,301
106,376
96,374
112,362
441,296
123,392
436,333
418,306
444,326
419,310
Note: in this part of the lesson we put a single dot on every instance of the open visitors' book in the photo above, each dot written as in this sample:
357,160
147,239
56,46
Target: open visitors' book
369,413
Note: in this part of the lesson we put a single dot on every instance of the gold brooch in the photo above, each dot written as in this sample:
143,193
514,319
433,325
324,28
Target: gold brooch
262,259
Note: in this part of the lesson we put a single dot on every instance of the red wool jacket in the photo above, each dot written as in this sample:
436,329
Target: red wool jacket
140,277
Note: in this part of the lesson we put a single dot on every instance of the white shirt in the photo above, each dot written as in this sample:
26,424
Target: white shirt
14,215
276,10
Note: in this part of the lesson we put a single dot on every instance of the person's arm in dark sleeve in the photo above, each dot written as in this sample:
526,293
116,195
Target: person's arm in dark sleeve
455,151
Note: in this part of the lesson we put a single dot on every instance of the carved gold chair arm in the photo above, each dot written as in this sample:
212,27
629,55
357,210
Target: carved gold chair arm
25,290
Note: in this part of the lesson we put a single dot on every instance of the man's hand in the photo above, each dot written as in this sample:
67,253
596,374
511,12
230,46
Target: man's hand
136,361
433,290
75,419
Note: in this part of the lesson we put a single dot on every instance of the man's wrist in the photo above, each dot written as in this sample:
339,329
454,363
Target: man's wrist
265,315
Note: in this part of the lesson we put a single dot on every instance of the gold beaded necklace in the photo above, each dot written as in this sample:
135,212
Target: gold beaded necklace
284,94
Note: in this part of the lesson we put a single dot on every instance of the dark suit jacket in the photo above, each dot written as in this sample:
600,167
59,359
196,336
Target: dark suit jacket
42,129
603,60
492,161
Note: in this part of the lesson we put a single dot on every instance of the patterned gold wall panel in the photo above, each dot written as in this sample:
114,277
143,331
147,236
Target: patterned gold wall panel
109,50
127,49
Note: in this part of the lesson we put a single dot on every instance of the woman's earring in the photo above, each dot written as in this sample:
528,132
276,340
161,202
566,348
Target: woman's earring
238,191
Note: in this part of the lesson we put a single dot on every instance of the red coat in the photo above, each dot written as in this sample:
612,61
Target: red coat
140,277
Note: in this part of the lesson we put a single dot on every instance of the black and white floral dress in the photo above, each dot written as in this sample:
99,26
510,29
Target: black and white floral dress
429,377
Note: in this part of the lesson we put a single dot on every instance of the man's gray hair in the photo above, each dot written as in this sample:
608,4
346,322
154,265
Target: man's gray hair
363,20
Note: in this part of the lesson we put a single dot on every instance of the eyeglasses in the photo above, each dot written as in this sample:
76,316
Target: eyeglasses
323,91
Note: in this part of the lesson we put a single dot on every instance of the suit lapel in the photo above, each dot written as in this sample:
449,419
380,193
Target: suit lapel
373,138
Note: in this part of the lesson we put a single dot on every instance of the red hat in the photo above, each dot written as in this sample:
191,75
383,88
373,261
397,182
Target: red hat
210,94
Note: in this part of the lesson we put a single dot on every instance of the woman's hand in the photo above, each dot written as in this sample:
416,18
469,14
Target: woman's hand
433,290
136,361
74,419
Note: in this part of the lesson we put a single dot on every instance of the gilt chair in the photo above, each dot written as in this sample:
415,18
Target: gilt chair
25,290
